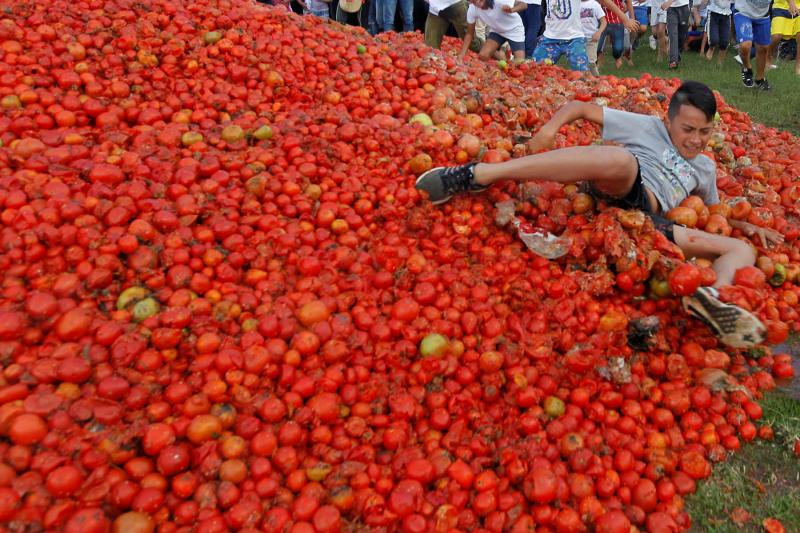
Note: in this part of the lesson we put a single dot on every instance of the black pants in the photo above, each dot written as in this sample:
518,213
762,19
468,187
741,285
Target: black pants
678,28
719,30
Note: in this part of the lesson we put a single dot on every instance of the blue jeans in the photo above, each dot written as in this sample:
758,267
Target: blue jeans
372,16
617,34
532,20
389,10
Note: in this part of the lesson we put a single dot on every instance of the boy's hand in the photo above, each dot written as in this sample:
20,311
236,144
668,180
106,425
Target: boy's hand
596,36
507,9
632,25
768,236
544,139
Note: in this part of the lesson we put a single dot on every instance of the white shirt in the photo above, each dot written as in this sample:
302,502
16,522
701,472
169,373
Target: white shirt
435,6
639,3
679,3
721,7
591,13
534,2
508,25
563,20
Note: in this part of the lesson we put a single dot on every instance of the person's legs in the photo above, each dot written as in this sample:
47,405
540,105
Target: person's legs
611,169
733,325
762,39
548,50
728,254
576,54
386,18
407,7
531,18
435,28
673,23
724,37
683,27
374,12
617,34
591,55
713,33
490,46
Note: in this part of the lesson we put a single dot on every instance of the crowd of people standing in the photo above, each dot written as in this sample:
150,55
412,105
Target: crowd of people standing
584,30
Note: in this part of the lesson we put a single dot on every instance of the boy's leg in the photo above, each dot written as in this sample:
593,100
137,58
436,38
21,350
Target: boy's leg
591,55
612,170
547,50
435,28
577,56
734,326
673,22
729,254
490,46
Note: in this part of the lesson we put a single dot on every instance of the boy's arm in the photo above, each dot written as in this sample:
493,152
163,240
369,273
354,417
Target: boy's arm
629,23
629,5
768,236
666,5
793,9
601,29
468,36
569,113
518,6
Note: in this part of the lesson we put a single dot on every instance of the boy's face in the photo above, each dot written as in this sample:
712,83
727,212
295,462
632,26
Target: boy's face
480,4
690,131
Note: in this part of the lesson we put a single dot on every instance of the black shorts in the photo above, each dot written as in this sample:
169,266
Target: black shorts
637,198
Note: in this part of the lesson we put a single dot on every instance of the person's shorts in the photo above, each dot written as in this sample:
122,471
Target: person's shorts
783,23
515,46
552,49
755,30
640,12
637,198
658,15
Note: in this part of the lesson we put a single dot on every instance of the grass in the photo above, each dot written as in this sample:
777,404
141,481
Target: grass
763,479
779,108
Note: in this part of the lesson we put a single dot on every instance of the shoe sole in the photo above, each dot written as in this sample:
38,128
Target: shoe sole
422,176
727,321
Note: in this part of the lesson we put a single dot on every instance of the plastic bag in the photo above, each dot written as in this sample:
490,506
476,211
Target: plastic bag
617,371
538,241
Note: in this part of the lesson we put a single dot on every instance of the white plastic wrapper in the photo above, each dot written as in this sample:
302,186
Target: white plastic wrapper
538,241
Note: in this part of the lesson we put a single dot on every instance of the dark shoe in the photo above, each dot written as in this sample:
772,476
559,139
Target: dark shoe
732,325
763,85
747,77
442,183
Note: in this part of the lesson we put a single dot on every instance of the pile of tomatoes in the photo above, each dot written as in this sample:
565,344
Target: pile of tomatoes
225,306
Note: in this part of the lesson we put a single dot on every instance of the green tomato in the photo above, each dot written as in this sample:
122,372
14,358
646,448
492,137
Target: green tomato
433,345
361,49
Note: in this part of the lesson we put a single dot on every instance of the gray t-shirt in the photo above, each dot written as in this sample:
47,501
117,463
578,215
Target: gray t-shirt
755,9
664,171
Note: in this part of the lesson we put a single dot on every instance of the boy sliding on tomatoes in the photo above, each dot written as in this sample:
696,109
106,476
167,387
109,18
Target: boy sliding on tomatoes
658,165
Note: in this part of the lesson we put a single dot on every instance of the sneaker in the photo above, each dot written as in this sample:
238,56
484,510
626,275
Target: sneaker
653,43
733,325
738,59
763,85
442,183
747,77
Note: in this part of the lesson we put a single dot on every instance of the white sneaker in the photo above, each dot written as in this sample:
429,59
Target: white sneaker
738,59
653,43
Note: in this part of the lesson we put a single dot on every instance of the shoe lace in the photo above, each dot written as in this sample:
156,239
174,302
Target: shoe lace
456,179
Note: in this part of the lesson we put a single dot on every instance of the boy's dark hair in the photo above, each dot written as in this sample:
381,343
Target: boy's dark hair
695,94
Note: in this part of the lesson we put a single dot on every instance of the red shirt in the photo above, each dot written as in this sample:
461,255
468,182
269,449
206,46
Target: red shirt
611,17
